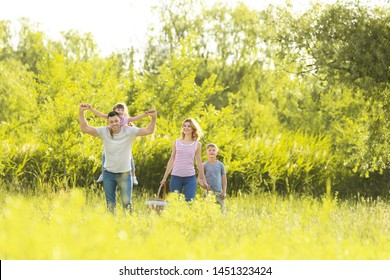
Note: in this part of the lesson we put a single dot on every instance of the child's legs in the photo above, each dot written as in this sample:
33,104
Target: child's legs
103,160
220,201
132,166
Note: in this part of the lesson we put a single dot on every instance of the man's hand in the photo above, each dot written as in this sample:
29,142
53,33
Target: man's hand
152,112
84,106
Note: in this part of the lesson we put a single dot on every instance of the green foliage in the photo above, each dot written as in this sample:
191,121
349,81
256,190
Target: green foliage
346,41
6,50
284,163
173,91
31,45
345,46
18,97
296,103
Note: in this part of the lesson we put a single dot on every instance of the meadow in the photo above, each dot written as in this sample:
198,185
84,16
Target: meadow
298,104
74,225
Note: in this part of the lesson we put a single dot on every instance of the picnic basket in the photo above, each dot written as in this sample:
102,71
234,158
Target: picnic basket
158,203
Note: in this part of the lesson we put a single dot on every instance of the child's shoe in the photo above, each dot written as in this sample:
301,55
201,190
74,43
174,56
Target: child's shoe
100,179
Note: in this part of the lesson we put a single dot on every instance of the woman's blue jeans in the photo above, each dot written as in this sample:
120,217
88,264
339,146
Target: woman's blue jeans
186,185
125,184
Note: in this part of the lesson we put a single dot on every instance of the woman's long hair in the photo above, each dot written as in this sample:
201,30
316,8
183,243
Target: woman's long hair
197,131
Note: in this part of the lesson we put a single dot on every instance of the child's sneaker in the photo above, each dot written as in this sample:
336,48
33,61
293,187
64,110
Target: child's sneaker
100,179
135,182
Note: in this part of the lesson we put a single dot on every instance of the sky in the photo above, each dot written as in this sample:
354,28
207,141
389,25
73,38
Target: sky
115,24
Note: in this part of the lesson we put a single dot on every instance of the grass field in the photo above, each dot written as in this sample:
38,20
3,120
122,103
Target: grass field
74,225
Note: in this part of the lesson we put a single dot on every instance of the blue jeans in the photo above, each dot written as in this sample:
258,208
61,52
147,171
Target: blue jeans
125,184
184,184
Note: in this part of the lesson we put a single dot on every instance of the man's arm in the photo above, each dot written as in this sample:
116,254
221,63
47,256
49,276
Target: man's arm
83,122
151,126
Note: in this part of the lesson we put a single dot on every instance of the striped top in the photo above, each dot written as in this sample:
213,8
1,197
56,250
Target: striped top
183,165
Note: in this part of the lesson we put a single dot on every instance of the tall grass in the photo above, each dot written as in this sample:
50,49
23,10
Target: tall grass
75,225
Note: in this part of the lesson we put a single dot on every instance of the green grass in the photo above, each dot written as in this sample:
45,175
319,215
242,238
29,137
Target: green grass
75,225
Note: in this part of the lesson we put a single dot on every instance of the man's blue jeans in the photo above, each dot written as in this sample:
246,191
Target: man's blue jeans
125,184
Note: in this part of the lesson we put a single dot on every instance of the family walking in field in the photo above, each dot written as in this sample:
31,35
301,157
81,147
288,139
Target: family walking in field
118,169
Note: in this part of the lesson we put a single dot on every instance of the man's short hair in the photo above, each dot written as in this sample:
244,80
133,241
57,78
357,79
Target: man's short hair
112,114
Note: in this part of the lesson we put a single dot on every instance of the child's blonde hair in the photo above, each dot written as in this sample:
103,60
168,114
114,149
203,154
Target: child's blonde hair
212,145
197,133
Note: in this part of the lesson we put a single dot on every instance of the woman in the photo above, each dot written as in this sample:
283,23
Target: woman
185,150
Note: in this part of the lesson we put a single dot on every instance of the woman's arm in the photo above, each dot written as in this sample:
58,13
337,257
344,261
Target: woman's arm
199,165
169,165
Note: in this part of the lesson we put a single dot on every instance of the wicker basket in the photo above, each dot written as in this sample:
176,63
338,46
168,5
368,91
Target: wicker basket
158,204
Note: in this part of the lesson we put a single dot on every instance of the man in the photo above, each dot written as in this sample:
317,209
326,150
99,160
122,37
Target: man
117,141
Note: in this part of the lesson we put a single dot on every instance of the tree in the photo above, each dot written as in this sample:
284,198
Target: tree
345,45
348,42
6,48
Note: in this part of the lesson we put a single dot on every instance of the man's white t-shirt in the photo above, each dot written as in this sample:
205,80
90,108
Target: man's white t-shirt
118,148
